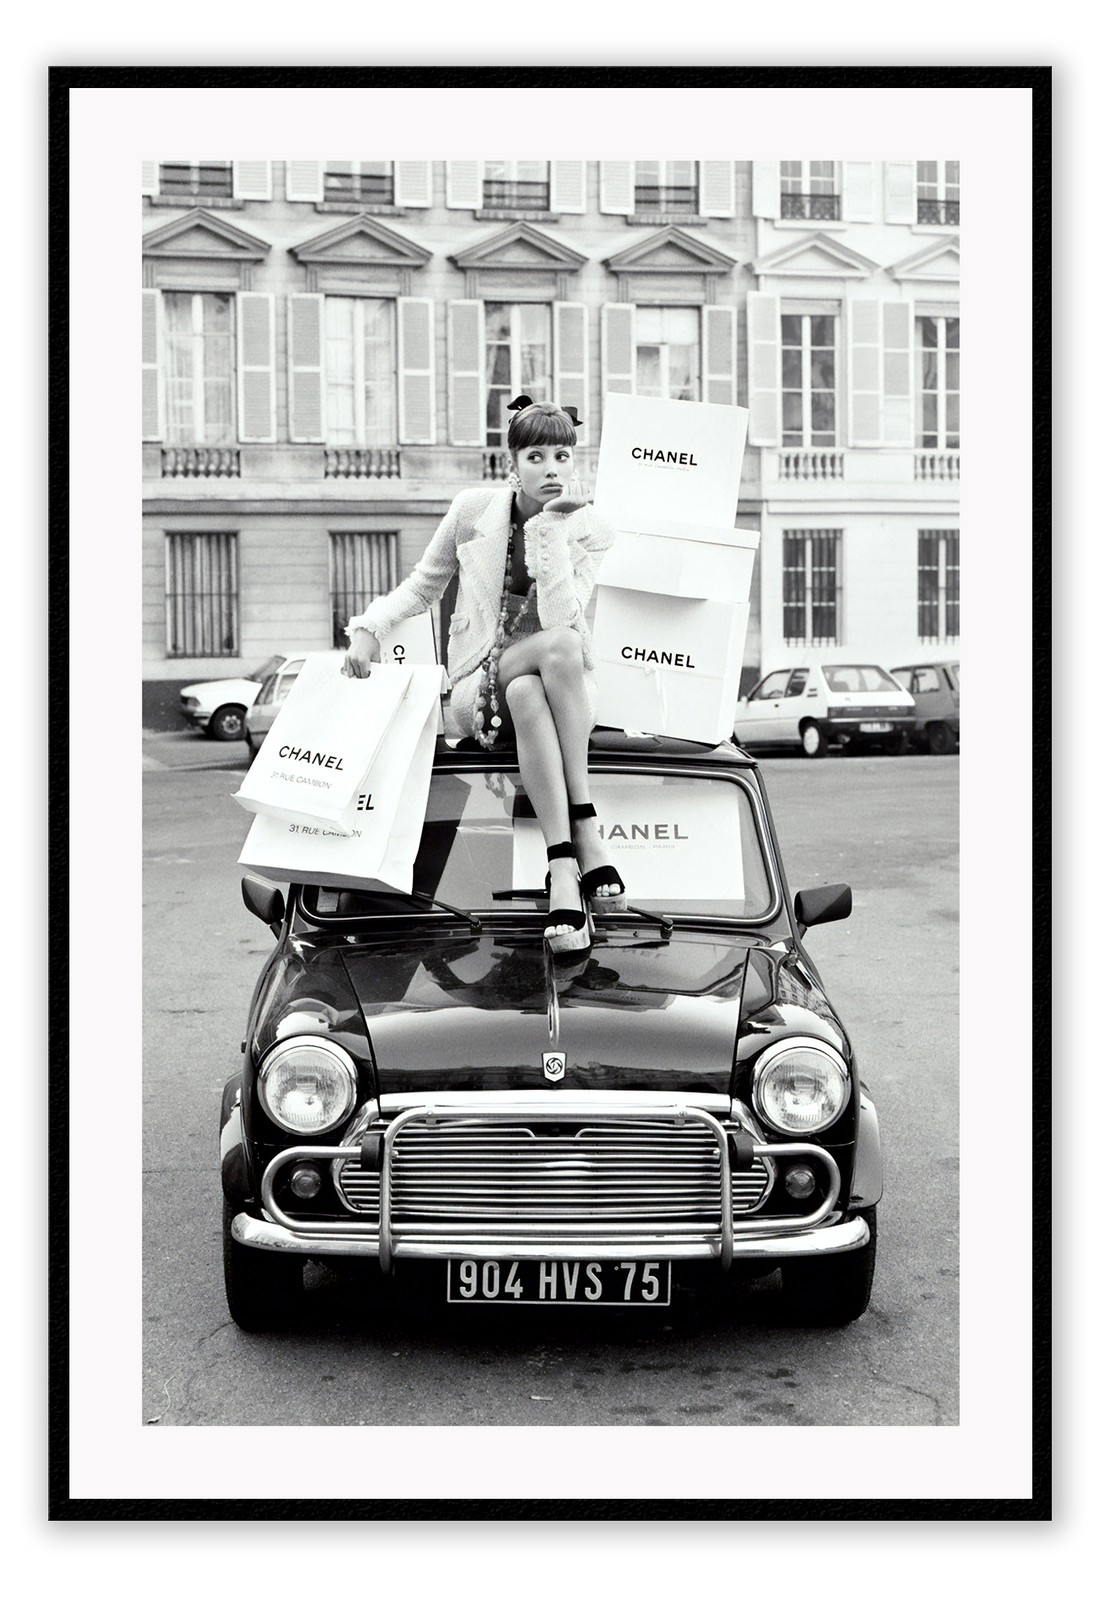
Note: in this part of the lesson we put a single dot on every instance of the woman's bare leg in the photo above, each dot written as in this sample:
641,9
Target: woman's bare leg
554,658
540,766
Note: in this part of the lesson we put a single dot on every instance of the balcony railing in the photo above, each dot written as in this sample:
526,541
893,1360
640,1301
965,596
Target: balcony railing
936,467
495,464
521,195
363,189
353,463
666,199
934,210
200,461
811,465
814,206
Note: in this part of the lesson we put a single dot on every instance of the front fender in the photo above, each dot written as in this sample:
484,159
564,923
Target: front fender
236,1182
867,1174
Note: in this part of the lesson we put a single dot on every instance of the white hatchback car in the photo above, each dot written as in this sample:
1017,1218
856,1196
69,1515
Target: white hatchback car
218,707
857,705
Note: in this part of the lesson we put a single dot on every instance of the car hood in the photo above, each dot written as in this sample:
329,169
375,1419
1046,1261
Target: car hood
479,1015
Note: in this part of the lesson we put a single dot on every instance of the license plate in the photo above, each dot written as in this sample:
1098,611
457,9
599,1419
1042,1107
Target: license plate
559,1282
875,727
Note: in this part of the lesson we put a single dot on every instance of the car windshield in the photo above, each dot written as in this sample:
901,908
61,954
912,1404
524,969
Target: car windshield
862,679
266,668
683,844
954,671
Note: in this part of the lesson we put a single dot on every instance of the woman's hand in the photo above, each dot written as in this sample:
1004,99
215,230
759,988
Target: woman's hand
364,649
575,497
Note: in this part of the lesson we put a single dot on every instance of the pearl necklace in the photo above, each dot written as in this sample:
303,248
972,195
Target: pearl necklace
487,718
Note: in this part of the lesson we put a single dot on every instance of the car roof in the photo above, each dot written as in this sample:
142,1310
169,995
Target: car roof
610,743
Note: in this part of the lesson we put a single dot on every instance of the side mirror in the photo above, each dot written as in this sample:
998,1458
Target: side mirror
265,900
823,904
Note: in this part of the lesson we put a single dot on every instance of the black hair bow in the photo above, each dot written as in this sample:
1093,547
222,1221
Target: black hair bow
524,402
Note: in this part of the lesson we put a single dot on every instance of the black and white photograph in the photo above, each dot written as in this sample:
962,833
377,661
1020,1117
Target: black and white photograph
562,1015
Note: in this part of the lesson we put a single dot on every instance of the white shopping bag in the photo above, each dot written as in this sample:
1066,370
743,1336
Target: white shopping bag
412,640
325,738
379,849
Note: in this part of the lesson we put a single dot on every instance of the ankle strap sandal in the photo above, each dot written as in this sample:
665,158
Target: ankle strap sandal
595,877
579,934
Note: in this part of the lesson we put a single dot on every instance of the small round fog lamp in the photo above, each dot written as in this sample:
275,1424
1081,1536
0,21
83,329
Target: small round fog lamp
800,1181
306,1182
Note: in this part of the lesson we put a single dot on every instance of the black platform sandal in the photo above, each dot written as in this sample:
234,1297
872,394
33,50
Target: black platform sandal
578,938
591,882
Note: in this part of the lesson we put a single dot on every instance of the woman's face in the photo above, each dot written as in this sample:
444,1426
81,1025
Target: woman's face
544,470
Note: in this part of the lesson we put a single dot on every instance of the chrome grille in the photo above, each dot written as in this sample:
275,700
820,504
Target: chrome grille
621,1171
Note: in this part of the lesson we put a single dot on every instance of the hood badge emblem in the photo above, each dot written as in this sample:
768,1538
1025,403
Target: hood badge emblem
553,1066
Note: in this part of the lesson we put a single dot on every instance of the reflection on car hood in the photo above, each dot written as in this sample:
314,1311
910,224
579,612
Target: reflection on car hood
478,1014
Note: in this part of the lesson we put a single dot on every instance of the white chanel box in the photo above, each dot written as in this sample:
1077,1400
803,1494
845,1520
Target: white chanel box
672,595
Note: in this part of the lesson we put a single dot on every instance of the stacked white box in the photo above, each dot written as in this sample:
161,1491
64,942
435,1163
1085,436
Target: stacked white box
672,597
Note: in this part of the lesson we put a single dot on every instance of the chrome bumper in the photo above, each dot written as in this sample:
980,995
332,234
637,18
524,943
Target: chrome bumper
787,1236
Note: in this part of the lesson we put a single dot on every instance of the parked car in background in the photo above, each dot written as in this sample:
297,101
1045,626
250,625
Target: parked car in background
934,686
218,708
424,1085
274,690
826,701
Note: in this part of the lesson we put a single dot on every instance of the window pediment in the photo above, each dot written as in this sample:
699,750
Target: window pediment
520,247
362,242
816,257
938,261
200,234
670,251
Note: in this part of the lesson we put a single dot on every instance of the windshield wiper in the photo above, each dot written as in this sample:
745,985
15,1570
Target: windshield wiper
459,912
662,920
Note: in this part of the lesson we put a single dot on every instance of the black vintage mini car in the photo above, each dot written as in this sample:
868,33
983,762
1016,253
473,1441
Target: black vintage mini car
424,1081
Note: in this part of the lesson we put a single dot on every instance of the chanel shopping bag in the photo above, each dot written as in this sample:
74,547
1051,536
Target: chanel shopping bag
326,736
377,844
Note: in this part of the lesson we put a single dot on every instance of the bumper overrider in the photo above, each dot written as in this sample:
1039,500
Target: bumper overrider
724,1235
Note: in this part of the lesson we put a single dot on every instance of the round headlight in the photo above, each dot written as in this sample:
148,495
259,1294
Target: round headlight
801,1086
307,1085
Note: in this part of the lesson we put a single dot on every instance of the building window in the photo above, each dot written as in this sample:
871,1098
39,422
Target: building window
808,190
937,193
939,344
811,587
201,594
200,368
517,360
517,186
667,348
938,586
809,380
362,182
360,372
666,187
193,179
362,565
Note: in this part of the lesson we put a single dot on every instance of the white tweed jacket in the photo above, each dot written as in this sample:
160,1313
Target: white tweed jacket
562,552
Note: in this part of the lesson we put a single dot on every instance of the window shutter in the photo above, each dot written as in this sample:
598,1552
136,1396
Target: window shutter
716,189
765,189
567,187
897,373
571,359
150,178
765,350
152,369
256,366
252,181
616,187
864,372
466,372
857,195
305,182
901,192
416,369
305,367
619,358
719,355
412,184
464,184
